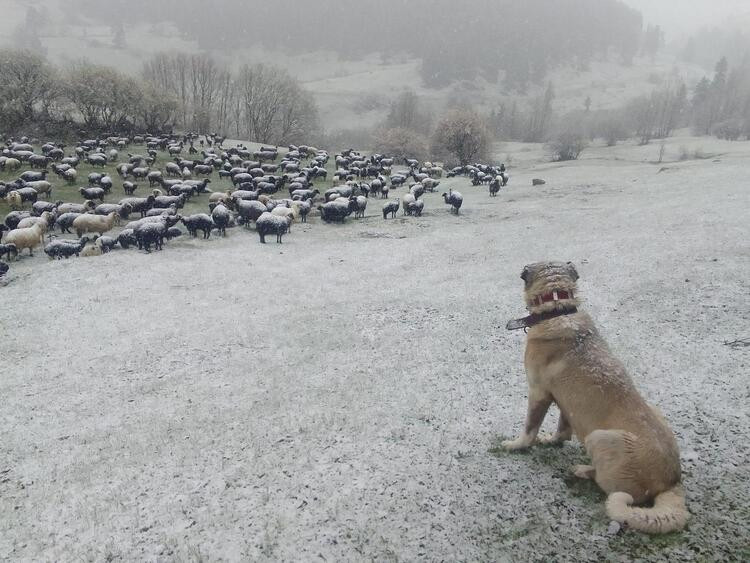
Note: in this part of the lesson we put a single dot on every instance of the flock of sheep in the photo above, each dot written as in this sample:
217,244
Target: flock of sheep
151,218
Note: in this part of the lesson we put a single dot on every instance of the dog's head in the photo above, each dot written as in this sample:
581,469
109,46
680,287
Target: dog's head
550,286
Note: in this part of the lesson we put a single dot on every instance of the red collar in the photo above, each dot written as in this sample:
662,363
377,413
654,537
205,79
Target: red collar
557,295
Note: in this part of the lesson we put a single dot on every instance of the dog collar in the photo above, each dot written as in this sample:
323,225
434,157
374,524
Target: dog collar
531,320
557,295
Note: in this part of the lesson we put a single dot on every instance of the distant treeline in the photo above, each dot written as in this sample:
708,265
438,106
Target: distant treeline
523,40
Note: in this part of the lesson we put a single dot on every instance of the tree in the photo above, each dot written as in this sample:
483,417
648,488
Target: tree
105,99
540,116
406,113
157,111
27,81
462,136
401,143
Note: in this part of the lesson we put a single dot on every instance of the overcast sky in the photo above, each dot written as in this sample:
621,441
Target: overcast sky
678,16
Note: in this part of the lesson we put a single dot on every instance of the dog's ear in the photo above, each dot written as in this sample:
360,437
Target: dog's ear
525,274
573,271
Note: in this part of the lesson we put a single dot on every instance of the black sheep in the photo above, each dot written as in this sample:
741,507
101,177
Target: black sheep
10,251
221,217
391,208
199,222
3,269
93,193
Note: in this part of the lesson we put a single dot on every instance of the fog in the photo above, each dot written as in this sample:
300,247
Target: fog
681,16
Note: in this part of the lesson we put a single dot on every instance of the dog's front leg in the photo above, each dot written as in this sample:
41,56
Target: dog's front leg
539,402
564,432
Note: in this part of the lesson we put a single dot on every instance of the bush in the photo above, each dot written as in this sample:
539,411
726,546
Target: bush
567,146
401,143
461,136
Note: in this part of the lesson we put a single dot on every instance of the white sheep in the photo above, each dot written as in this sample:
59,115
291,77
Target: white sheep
14,200
43,219
92,249
12,164
406,199
88,223
30,238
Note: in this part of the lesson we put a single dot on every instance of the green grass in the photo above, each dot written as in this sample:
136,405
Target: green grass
198,204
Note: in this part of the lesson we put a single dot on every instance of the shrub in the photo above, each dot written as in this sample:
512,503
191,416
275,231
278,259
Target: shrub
567,146
461,136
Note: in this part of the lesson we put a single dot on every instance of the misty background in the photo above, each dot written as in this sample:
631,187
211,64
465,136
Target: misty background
353,72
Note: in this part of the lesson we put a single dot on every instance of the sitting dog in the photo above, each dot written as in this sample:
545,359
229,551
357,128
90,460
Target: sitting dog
634,454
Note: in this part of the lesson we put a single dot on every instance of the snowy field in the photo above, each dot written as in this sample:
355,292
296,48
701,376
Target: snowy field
341,397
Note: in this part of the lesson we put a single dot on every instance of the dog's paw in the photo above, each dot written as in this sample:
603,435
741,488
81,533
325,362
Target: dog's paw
551,440
515,445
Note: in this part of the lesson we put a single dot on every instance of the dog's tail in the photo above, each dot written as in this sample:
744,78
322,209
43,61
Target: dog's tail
668,514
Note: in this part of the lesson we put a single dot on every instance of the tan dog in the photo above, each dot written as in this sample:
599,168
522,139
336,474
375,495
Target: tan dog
634,453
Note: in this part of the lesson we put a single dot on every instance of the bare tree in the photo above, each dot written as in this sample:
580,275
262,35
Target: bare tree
26,82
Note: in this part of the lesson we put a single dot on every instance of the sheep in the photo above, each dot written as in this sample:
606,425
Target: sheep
360,205
76,207
415,208
268,224
3,269
164,201
221,217
199,222
65,221
283,211
151,233
94,178
14,200
70,175
159,211
222,197
30,238
94,223
417,190
390,208
123,211
46,219
249,211
62,248
129,188
10,251
12,164
454,199
126,239
40,207
41,187
495,186
337,210
106,184
14,217
304,209
139,204
92,248
107,243
93,193
31,176
406,199
172,232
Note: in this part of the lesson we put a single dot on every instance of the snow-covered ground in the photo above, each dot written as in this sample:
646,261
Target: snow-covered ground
341,397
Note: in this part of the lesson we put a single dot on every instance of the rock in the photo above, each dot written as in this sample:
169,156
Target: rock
538,182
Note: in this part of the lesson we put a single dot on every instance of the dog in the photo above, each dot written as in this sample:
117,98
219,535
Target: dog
634,455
